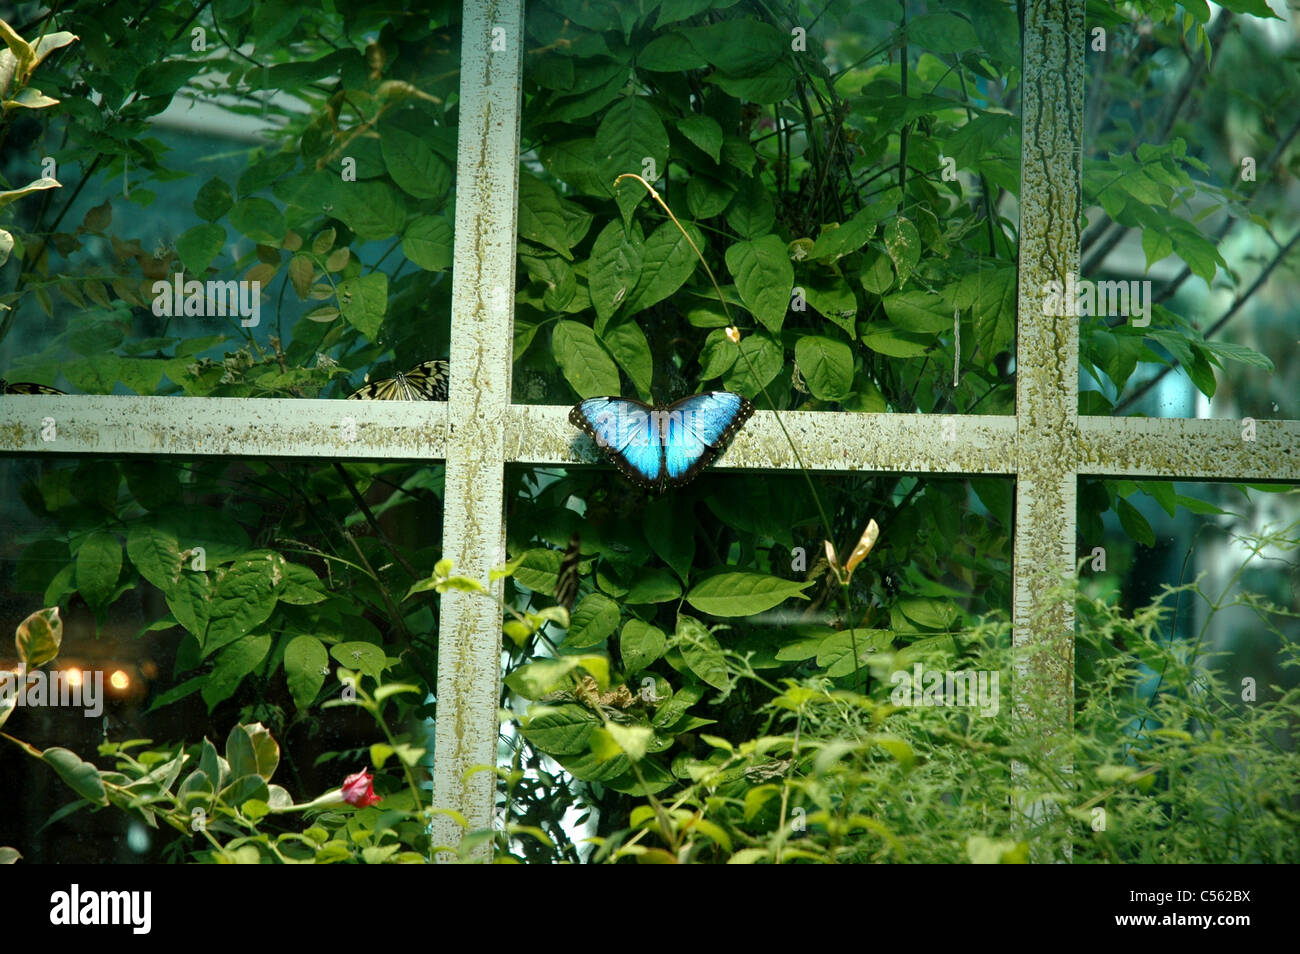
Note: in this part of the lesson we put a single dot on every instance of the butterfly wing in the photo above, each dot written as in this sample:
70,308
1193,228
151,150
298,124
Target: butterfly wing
566,583
425,382
428,380
697,428
623,430
27,387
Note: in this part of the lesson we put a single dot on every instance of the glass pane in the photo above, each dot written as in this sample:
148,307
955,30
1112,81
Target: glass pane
1188,213
267,221
196,597
858,230
694,611
1188,639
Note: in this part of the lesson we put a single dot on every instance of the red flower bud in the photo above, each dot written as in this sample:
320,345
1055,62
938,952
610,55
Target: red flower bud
359,790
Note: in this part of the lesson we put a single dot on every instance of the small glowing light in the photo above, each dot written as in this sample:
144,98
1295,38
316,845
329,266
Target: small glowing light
119,680
74,676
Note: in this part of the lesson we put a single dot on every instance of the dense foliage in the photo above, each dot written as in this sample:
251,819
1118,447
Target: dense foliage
850,176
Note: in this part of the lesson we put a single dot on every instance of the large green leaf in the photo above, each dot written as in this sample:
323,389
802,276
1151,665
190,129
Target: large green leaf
628,344
547,219
667,260
244,598
761,360
363,301
586,365
764,278
99,563
592,621
827,366
372,208
199,246
562,730
702,652
640,644
614,266
236,662
259,220
413,164
631,138
306,664
741,47
428,242
743,594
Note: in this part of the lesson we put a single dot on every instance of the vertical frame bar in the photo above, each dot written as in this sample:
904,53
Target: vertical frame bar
1047,385
483,281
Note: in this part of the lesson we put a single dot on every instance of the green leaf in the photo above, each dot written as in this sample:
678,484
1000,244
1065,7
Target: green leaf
547,219
363,301
774,84
641,644
233,664
38,637
614,266
827,366
764,278
1236,352
372,209
671,53
630,134
539,570
743,594
671,538
213,200
766,358
190,600
613,739
741,47
428,242
832,297
82,777
903,243
592,621
667,260
259,220
306,664
1134,524
653,585
586,365
884,338
365,657
199,246
718,355
413,164
920,312
707,196
752,212
99,564
244,598
703,132
701,652
835,652
836,241
562,730
628,344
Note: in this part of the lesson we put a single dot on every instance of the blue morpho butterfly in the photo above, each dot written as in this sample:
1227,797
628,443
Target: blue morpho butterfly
660,447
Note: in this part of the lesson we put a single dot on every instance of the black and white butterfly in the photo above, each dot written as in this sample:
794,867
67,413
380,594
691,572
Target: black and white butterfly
662,446
566,582
424,382
27,387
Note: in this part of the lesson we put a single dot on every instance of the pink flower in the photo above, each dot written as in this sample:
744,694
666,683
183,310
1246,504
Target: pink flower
359,790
